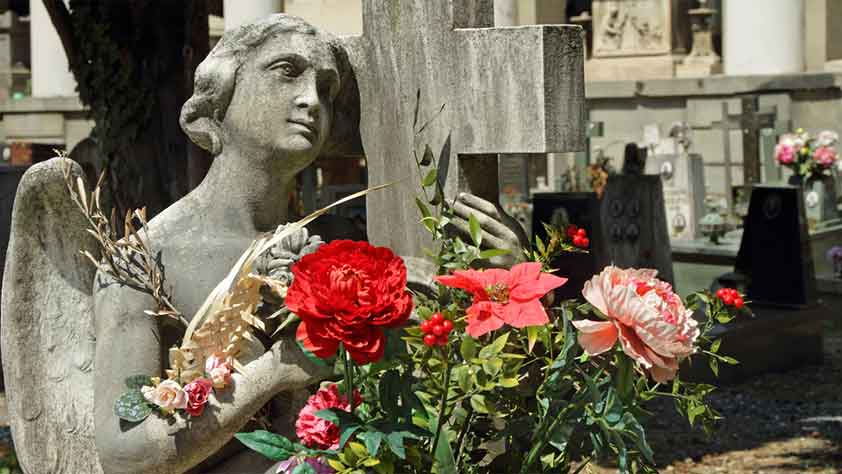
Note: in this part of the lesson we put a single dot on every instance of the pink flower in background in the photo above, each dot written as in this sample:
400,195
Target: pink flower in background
825,156
784,153
197,395
219,371
318,433
168,395
649,319
504,296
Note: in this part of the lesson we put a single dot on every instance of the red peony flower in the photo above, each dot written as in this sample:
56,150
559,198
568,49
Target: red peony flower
318,433
197,395
348,292
504,296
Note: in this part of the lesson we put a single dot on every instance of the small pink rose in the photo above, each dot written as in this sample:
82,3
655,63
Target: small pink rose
197,395
168,395
219,371
825,156
785,153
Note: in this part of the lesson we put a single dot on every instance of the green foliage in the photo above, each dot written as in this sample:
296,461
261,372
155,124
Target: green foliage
132,407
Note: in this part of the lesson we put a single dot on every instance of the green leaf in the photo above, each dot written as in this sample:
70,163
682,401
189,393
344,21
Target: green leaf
491,253
476,230
494,348
304,468
395,442
410,399
389,390
270,445
425,211
729,360
372,440
132,407
478,404
138,381
429,178
715,346
509,382
532,333
714,366
445,463
468,348
463,378
492,366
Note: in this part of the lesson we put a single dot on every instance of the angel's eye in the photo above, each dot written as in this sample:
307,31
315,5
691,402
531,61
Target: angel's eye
286,68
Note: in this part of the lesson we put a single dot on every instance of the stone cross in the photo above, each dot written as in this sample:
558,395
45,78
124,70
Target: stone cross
505,90
751,121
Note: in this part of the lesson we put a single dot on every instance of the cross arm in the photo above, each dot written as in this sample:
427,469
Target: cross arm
526,89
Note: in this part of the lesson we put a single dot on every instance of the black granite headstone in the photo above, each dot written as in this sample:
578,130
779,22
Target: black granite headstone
581,209
775,255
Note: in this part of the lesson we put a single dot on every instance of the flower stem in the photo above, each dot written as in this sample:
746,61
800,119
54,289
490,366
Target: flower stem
349,381
461,438
442,406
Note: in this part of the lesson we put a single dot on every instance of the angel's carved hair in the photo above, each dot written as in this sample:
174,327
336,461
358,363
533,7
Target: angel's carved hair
216,78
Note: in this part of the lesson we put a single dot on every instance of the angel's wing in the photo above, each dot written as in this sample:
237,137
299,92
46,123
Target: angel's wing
48,338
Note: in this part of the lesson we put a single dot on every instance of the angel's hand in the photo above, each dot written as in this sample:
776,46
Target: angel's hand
499,230
278,260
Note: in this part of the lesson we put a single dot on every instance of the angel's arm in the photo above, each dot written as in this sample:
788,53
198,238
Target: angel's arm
129,343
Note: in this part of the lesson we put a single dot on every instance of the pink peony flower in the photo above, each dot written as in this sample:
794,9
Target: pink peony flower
197,395
168,395
785,154
649,319
504,296
825,156
219,371
286,467
316,432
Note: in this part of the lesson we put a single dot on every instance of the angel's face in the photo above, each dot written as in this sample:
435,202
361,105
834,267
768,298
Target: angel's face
283,99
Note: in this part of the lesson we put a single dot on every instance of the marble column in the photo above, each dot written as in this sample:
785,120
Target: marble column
763,36
51,74
240,12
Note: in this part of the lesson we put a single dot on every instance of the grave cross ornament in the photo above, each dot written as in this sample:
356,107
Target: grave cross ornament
505,90
751,121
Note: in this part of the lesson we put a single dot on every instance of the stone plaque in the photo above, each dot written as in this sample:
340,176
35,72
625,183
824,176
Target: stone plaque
683,180
631,27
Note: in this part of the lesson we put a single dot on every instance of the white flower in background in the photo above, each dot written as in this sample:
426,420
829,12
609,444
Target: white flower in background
827,138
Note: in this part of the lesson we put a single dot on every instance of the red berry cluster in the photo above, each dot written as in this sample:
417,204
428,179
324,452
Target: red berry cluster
578,236
730,297
435,330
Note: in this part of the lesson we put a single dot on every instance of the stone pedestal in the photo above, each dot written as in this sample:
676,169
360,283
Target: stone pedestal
239,12
51,76
702,60
763,36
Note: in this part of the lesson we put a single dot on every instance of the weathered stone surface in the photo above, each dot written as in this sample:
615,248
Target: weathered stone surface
505,90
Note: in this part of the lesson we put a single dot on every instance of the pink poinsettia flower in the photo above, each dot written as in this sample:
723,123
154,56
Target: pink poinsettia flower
504,296
649,319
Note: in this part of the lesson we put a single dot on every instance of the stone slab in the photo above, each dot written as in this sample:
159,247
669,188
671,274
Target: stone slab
43,104
774,340
645,67
28,126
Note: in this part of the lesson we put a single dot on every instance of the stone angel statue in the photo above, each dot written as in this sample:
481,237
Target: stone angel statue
270,98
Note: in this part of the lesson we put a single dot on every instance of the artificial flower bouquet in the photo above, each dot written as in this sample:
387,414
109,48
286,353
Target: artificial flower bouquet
808,157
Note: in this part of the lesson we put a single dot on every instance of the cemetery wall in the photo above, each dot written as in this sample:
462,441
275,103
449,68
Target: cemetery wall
810,100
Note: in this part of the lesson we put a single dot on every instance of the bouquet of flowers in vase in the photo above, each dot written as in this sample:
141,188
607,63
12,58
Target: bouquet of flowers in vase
809,157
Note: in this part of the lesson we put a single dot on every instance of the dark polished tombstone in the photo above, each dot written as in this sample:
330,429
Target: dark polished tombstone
581,209
775,251
9,178
774,268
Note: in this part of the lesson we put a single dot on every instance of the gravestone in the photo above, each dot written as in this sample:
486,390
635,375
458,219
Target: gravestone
637,39
634,225
751,121
683,179
581,209
504,90
775,251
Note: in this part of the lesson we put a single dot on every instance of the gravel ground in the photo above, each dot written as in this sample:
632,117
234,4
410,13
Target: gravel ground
783,423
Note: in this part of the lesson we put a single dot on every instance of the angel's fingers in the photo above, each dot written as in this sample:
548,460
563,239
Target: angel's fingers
480,204
489,224
489,241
